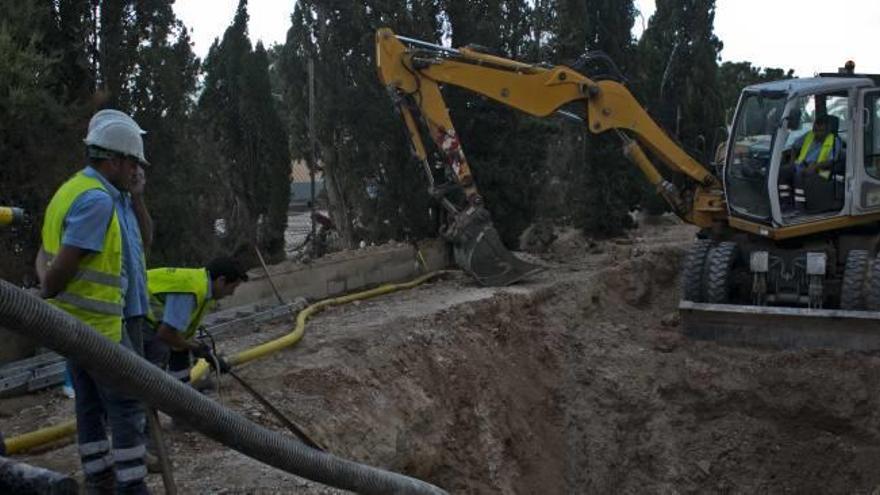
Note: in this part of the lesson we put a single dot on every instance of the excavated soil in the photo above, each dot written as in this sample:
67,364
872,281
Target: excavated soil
578,381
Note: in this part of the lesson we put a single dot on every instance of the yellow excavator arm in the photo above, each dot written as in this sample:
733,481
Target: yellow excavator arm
413,71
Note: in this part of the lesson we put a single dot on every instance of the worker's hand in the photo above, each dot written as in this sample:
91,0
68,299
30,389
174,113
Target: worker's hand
139,182
224,365
213,359
202,350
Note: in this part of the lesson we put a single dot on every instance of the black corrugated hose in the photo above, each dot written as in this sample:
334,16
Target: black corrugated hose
119,368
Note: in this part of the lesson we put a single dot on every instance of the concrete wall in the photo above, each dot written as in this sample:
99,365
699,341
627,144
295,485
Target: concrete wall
14,346
340,273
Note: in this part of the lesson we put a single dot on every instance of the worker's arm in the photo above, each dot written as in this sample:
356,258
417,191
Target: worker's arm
41,264
174,338
62,270
144,220
177,310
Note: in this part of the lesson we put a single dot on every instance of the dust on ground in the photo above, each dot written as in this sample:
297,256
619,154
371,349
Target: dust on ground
577,381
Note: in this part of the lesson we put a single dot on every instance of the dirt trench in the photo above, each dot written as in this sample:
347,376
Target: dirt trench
578,382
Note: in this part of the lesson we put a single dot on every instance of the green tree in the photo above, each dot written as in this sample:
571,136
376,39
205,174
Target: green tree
734,76
506,148
601,185
376,190
40,118
679,56
246,141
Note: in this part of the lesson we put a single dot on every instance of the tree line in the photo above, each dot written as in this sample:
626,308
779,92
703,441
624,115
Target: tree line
223,131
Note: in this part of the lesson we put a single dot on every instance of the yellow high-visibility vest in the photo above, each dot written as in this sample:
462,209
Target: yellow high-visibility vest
94,295
161,281
824,152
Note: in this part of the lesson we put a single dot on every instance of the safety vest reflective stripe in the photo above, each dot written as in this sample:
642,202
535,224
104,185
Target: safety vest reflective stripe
98,465
94,305
95,276
824,152
98,278
92,448
135,473
129,454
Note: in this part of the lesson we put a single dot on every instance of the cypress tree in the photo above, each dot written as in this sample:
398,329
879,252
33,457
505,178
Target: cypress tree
244,140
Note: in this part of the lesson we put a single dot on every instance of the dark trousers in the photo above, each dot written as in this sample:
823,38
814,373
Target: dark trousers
177,363
134,329
96,405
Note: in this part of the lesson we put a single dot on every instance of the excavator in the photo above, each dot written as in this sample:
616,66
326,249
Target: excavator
776,247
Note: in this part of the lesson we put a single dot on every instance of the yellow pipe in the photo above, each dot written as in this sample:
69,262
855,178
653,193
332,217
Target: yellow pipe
201,367
40,437
43,436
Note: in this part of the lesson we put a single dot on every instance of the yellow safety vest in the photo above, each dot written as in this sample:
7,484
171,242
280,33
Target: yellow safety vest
94,295
161,281
824,152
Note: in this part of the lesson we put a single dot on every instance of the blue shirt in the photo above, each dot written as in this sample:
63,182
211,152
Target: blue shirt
137,298
85,227
179,306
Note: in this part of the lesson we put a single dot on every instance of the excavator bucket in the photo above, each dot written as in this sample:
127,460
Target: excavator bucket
479,251
782,327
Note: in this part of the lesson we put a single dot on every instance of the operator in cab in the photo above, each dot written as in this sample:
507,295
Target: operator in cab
814,155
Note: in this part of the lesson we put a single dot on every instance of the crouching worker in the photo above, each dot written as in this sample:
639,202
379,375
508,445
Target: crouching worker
179,298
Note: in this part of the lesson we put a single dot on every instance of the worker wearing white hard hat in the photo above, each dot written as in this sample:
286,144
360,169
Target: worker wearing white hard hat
93,267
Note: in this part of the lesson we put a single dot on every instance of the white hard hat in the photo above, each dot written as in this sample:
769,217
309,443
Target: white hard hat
112,130
109,114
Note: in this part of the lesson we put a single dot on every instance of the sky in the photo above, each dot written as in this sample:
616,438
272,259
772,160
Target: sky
808,36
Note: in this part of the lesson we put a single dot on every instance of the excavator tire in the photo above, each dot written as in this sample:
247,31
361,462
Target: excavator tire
719,272
873,297
692,271
852,291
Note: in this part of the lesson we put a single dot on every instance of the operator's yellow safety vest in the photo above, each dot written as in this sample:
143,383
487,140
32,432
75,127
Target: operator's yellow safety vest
94,295
161,281
824,152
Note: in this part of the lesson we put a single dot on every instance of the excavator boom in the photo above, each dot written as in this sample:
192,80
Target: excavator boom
413,71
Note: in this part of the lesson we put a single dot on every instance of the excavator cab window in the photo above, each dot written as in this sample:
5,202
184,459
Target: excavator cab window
812,181
748,164
872,135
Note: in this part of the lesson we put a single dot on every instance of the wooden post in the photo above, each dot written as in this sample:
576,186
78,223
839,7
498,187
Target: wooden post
313,150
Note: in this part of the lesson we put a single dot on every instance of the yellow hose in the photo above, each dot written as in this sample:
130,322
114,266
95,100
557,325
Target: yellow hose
40,437
51,434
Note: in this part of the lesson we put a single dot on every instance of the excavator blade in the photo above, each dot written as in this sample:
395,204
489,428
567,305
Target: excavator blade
479,251
782,327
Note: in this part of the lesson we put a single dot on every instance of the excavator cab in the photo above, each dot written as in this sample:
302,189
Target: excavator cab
767,176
